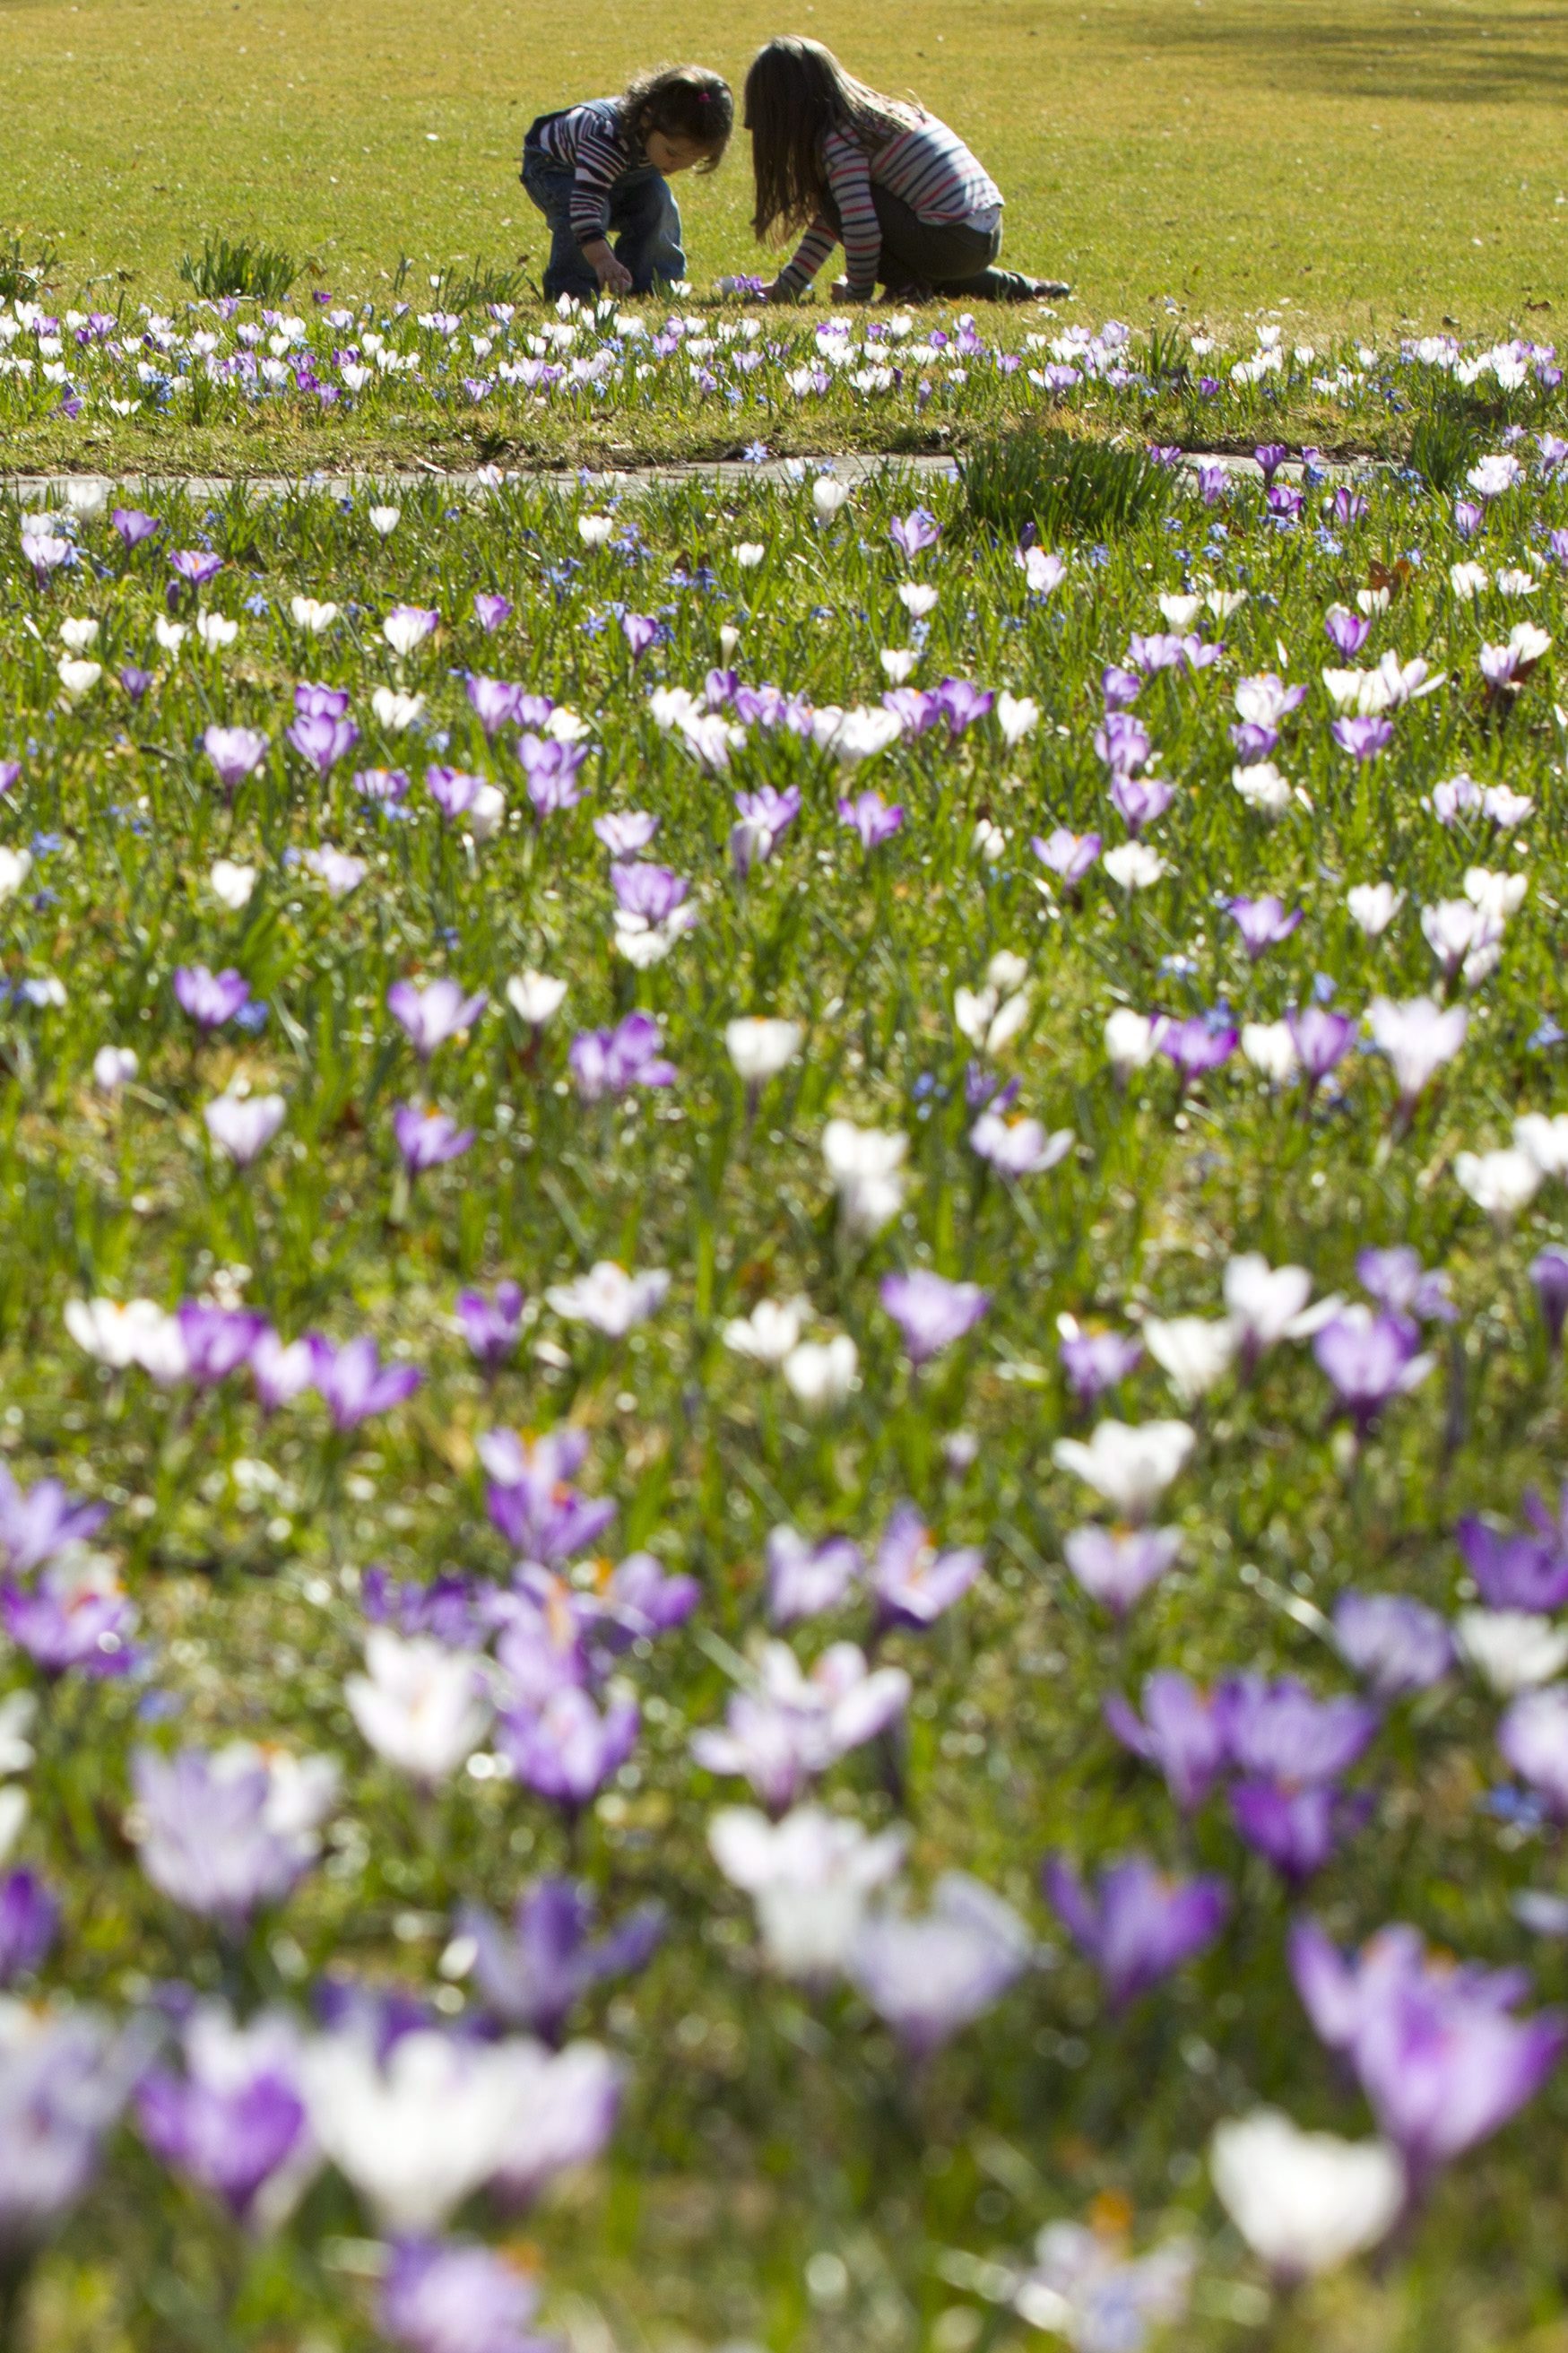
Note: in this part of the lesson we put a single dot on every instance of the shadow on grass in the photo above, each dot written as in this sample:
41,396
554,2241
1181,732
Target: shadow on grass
1455,59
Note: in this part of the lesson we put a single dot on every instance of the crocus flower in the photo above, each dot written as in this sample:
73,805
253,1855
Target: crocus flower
1082,2287
1131,1466
1137,1925
931,1312
915,1583
234,2120
1396,1645
809,1875
1096,1361
1438,2053
1549,1275
234,752
428,1137
195,565
1068,855
1117,1566
64,2078
1371,1360
1533,1738
1320,1039
566,1750
865,1166
804,1580
1363,739
534,1971
322,741
1262,923
1304,2202
244,1125
609,1063
280,1369
1397,1281
870,817
912,533
38,1521
408,626
420,2126
226,1832
421,1706
356,1383
931,1973
455,2295
133,526
793,1725
29,1916
1018,1147
433,1014
210,998
1181,1731
493,1326
75,1616
609,1298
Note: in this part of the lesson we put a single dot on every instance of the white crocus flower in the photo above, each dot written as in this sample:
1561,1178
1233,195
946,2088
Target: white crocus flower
1181,612
748,553
1134,865
76,636
119,1333
809,1876
1192,1350
1270,1049
595,530
1017,715
1304,2201
822,1372
536,997
420,1705
313,615
1131,1040
15,865
918,598
760,1046
384,520
1500,1183
609,1298
864,1167
1372,907
1544,1140
419,2130
113,1067
1262,787
1511,1650
771,1332
171,635
898,663
826,497
77,678
216,630
1131,1466
1270,1303
231,884
394,711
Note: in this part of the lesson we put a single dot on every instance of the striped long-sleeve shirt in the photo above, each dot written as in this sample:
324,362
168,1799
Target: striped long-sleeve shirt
928,166
594,141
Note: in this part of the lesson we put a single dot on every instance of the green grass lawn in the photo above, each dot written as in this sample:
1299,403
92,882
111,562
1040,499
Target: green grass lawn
1363,164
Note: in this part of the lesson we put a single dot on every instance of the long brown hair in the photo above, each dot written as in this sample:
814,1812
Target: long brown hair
796,91
683,102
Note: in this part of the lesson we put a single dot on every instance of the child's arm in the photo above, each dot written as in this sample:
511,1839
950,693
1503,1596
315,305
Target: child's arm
600,163
805,261
849,177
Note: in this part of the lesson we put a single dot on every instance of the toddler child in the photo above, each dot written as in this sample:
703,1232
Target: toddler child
605,167
911,207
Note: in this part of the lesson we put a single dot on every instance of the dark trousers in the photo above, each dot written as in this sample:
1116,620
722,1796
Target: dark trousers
946,257
645,223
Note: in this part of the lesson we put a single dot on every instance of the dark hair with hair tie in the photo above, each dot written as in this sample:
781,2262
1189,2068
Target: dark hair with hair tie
681,102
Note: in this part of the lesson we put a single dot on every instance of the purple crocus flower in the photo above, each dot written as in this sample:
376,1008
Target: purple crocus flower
210,998
218,1341
28,1919
640,1601
1095,1362
433,1014
1195,1046
1371,1360
1069,855
224,1834
1397,1281
491,611
1297,1830
457,2297
9,772
931,1312
36,1522
806,1580
1140,800
565,1750
912,533
1469,517
551,769
1396,1645
608,1062
195,565
1263,923
1346,631
765,816
533,1973
625,831
1181,1731
1283,1732
492,1326
1533,1738
1271,457
312,702
1123,743
928,1975
640,632
493,702
244,1125
1438,2053
531,1498
1120,688
1363,739
1549,1273
963,703
356,1383
323,742
1118,1565
234,752
428,1137
871,818
133,526
135,682
280,1369
1514,1571
914,1584
794,1725
385,785
234,2121
1137,1925
64,2078
1322,1039
453,790
649,891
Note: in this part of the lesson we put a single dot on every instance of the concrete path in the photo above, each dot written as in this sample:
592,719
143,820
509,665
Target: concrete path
40,490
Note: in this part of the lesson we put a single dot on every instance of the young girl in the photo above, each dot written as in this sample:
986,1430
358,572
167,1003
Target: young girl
913,209
604,165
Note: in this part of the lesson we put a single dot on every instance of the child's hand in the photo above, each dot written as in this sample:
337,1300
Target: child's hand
841,290
613,275
774,291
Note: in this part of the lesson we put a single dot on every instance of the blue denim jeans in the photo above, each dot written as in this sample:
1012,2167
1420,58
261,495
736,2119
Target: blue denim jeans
643,225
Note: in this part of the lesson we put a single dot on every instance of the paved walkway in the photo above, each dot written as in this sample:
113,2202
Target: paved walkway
721,473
